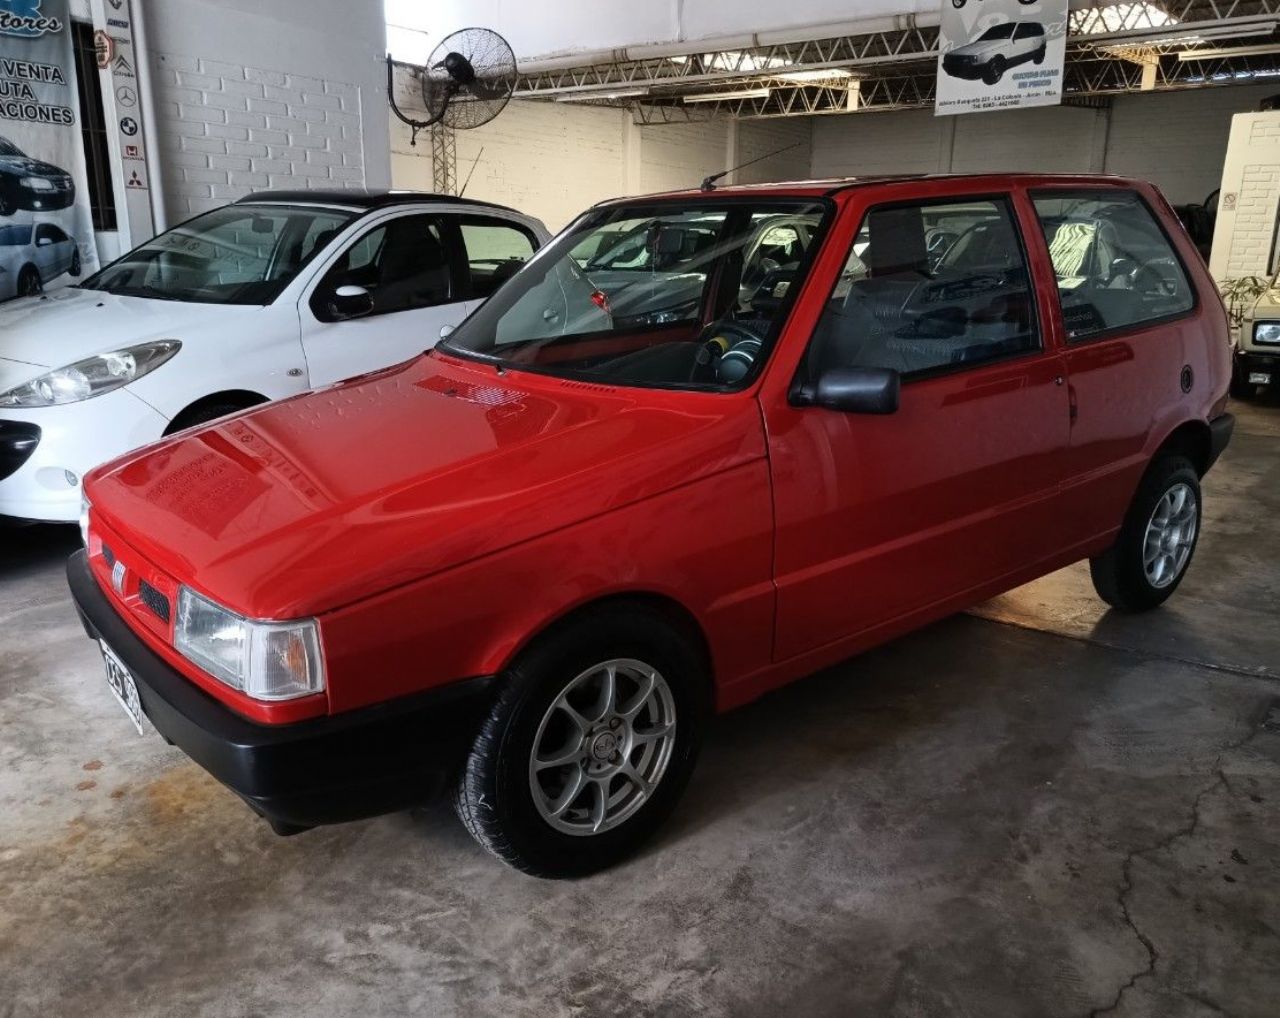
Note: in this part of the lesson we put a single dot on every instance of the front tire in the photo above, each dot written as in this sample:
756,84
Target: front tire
29,282
1240,388
1157,540
994,71
589,745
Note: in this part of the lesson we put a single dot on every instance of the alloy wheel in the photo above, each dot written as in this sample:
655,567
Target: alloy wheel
602,747
1170,536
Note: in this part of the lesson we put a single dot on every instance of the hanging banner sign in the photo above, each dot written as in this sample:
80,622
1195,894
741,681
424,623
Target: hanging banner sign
46,228
1000,54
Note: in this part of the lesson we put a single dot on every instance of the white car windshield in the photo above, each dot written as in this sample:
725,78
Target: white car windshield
8,148
240,254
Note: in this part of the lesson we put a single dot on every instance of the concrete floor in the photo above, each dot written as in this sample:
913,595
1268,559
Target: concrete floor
1039,809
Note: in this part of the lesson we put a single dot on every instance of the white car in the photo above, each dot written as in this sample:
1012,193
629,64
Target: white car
33,254
996,50
279,293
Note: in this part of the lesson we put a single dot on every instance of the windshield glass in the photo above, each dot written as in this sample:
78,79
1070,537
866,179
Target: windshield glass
8,148
241,254
1004,31
687,295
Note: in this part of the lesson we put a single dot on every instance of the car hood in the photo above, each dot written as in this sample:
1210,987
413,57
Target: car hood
28,166
982,48
319,501
62,327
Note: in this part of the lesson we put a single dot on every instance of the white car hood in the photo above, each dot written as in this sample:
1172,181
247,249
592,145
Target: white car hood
60,328
982,48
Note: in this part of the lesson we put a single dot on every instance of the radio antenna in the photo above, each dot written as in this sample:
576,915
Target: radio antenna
709,183
473,170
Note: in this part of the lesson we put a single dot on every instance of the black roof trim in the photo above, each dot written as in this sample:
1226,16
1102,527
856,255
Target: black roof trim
365,199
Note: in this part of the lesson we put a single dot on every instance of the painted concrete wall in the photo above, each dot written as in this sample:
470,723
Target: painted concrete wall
253,95
1178,140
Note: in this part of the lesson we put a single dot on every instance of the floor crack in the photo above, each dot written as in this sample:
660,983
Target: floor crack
1126,871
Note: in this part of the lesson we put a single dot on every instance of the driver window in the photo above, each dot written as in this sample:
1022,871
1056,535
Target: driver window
1115,268
403,264
929,288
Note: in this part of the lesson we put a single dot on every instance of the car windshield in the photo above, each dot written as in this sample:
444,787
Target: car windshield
1004,31
8,148
666,295
240,254
15,236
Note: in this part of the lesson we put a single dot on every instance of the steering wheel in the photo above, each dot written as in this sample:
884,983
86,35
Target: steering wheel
1148,279
727,350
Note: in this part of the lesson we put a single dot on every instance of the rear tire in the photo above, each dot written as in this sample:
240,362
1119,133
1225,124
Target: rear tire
566,819
1040,54
1157,540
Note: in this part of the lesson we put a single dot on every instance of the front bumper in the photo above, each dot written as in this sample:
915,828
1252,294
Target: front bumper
73,439
326,770
963,67
1253,360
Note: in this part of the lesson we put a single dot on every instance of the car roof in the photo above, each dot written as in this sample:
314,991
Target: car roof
365,199
824,186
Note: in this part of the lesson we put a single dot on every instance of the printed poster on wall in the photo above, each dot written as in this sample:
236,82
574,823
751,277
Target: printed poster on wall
46,229
1000,54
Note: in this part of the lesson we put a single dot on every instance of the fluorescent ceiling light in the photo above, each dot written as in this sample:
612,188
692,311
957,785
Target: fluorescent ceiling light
826,74
1238,51
581,97
713,97
1192,34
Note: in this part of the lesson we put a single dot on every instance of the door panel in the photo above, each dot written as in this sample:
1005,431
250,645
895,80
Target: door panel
1124,296
881,516
409,270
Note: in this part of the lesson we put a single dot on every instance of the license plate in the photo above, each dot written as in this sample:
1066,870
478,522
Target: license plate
123,688
1259,378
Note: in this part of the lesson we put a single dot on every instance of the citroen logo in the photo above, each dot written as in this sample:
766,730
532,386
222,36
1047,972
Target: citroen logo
117,577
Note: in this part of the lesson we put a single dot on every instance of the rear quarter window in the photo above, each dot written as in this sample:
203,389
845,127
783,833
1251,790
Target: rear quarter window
1114,266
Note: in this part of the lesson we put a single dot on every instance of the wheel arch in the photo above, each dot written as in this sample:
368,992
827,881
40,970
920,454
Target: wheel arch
242,399
676,614
1191,439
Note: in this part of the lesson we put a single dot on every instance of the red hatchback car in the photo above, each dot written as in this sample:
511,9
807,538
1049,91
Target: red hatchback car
699,446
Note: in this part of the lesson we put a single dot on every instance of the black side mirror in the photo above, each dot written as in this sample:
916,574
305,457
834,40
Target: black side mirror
350,302
853,391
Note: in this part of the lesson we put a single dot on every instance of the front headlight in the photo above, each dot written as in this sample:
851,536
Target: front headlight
265,660
37,183
1266,332
92,376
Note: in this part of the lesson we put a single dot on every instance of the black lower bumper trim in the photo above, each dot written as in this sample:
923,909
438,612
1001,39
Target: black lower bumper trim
1220,429
18,440
326,770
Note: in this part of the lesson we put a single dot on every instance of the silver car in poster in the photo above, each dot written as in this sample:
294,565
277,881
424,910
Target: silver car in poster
996,50
32,255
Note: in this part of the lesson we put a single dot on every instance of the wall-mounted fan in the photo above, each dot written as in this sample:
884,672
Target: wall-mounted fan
466,82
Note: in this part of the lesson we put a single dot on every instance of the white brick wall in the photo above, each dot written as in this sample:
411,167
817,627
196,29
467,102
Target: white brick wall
227,130
758,138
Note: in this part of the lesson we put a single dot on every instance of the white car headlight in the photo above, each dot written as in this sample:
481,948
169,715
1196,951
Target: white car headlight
1266,332
38,183
265,660
92,376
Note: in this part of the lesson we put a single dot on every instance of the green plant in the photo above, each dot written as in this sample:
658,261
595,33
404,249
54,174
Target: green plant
1241,294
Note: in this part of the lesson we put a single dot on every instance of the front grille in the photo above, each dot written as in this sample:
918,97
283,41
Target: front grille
153,599
18,440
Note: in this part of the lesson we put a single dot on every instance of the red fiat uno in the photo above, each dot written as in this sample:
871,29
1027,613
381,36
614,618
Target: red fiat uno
699,446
